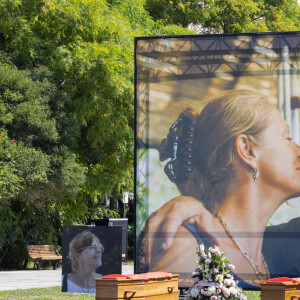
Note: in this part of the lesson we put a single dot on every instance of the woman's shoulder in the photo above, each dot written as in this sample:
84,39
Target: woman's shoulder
69,285
200,236
71,282
276,230
71,277
174,259
74,288
97,275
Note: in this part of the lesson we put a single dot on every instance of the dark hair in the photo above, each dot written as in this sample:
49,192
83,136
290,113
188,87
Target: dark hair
203,166
178,146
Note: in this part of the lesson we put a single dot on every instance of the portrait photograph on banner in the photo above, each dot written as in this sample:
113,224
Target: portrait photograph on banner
217,156
89,252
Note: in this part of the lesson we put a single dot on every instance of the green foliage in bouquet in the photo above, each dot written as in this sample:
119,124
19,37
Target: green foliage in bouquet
212,277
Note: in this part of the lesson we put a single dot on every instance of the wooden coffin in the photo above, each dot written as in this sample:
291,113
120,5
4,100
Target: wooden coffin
124,288
280,291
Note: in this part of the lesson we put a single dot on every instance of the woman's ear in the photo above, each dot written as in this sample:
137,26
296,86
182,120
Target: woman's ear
77,256
245,150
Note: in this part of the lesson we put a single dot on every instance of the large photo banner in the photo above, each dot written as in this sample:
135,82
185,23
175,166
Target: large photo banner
217,160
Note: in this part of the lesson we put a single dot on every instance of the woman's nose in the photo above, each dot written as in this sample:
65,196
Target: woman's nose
298,150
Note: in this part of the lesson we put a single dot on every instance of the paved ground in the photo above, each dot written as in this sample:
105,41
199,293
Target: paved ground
12,280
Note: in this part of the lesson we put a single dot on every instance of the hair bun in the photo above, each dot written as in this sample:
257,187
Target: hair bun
178,146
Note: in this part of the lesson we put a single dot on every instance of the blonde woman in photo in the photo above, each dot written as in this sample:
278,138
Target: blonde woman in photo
237,158
85,253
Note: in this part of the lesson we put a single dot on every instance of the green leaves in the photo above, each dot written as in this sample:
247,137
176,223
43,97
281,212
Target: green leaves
40,176
66,97
89,47
228,16
10,182
30,115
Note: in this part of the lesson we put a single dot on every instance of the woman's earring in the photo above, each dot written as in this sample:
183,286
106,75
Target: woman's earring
255,174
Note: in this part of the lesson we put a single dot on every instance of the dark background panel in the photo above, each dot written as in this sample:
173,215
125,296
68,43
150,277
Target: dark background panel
110,237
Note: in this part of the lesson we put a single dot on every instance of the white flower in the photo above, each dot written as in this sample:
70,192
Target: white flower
211,290
194,292
212,250
216,283
229,282
226,292
219,285
233,291
201,247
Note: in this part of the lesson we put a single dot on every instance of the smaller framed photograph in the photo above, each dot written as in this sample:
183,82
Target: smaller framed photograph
89,252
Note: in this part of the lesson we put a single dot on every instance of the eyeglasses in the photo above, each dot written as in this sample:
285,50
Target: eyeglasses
93,247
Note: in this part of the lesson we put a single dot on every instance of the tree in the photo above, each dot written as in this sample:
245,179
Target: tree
38,172
88,44
34,129
66,113
228,16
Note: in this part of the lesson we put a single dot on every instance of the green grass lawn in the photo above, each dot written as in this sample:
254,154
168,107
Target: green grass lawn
55,293
43,293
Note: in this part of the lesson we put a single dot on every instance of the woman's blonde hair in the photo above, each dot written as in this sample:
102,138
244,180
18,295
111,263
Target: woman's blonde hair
212,155
79,242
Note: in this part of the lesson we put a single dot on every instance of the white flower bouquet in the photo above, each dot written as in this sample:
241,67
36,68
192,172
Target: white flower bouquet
212,277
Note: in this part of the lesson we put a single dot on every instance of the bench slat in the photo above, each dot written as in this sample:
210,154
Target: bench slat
42,252
46,257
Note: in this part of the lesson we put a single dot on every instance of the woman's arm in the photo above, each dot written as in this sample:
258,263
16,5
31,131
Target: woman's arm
169,218
180,256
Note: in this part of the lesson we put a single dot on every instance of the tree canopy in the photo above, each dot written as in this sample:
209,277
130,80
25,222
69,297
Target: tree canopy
66,113
228,16
88,45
